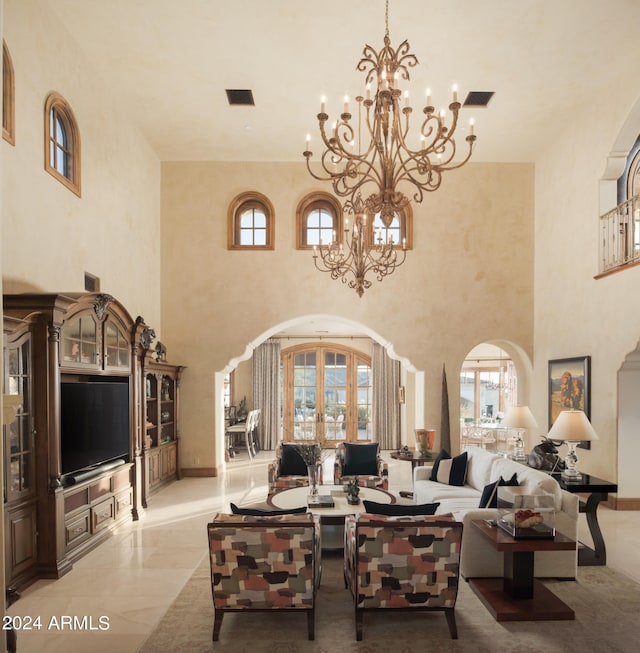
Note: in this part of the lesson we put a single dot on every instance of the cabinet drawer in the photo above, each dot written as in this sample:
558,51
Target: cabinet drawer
78,529
124,501
102,515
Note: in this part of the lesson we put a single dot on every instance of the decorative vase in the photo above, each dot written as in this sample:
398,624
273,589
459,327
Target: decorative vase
313,471
425,439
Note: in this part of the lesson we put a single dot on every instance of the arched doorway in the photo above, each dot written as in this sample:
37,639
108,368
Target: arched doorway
494,376
413,379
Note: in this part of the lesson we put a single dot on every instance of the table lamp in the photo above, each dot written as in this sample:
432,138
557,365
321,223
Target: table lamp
519,418
572,427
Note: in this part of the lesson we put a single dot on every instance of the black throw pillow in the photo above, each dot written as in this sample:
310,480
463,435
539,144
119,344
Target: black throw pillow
489,498
388,509
291,462
360,459
264,512
443,455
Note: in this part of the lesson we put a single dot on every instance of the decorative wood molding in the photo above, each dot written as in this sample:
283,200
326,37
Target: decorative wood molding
615,502
199,472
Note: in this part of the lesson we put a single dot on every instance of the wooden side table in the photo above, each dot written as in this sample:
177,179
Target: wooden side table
519,596
416,458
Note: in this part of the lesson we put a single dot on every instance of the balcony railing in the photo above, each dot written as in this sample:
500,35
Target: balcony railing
620,236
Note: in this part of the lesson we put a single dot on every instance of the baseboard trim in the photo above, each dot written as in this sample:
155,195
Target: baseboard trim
617,503
199,471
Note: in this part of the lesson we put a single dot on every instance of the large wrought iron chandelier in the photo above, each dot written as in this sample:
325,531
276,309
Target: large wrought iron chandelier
383,173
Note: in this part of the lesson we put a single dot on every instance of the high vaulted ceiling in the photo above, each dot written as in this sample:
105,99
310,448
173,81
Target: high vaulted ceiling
169,62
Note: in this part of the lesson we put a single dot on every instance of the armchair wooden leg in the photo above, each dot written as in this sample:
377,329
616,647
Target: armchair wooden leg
359,617
311,623
451,621
217,624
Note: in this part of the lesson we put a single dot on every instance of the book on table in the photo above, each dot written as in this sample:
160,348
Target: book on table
320,501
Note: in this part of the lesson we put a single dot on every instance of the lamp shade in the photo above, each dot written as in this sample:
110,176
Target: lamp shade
572,426
519,417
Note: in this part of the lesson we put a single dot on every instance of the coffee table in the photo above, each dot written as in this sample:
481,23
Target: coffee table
519,596
331,519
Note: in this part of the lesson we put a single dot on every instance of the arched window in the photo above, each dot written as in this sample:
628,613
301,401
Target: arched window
62,142
250,222
8,97
318,220
400,229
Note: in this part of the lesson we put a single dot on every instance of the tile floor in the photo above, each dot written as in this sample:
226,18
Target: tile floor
130,580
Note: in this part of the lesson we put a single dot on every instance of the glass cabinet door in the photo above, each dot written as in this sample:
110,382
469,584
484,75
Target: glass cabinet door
80,342
18,435
116,346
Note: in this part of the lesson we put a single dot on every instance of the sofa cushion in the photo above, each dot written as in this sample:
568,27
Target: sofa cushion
291,462
376,508
479,467
360,459
453,471
489,498
264,512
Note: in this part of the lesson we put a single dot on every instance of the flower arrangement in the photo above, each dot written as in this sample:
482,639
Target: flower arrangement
310,452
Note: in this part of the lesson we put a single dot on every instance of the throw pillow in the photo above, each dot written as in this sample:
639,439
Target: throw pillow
376,508
264,512
443,455
360,459
489,498
453,471
291,462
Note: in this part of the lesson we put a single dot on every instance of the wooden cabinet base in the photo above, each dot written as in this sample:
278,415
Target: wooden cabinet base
544,606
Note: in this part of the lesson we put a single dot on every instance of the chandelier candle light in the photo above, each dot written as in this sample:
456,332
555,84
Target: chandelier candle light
369,175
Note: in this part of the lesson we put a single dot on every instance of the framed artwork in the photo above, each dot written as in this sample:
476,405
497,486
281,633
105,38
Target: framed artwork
570,388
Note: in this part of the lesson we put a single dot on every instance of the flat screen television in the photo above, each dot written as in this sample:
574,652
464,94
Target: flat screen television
95,424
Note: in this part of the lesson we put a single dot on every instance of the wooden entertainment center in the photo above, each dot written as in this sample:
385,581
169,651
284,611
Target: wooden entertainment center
72,360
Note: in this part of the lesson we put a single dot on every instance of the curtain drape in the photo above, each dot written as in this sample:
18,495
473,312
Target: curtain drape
266,391
386,404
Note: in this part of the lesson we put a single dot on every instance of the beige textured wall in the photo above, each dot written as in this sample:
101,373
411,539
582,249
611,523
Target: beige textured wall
50,236
577,315
468,279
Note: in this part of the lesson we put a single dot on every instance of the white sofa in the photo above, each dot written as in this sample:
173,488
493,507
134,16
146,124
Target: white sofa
479,558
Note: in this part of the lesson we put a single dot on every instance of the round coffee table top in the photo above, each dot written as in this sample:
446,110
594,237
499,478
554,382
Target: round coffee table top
296,497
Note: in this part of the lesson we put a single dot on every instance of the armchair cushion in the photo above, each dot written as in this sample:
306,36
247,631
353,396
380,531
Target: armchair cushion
360,459
291,462
395,510
264,512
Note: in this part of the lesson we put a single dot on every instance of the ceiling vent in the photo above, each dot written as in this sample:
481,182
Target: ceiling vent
478,98
240,97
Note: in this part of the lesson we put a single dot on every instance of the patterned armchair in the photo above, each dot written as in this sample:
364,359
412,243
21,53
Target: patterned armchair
288,469
403,563
264,563
361,461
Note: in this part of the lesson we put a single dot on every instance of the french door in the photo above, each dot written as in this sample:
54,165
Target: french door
326,393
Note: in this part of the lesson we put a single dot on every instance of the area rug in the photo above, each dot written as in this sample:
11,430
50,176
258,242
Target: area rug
606,604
